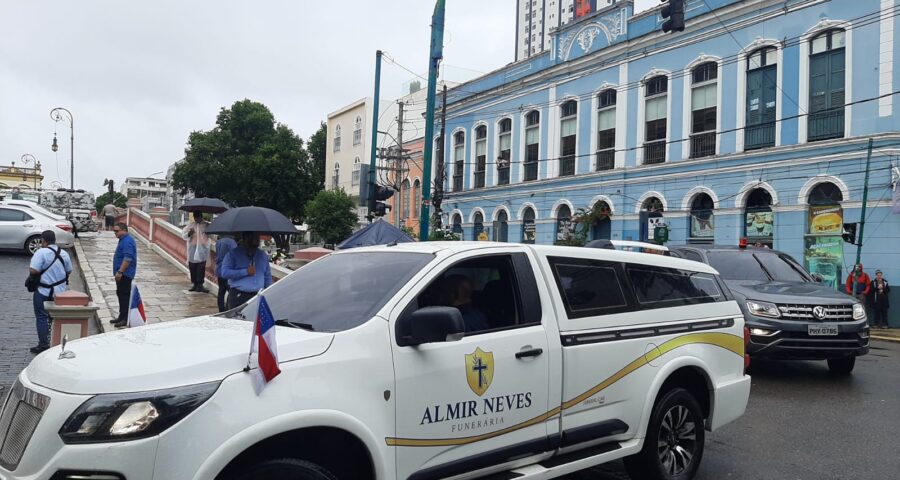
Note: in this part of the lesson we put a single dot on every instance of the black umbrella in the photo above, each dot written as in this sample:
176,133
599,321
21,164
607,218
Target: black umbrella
205,205
252,219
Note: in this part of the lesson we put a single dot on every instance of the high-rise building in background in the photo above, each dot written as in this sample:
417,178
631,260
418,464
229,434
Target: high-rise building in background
536,19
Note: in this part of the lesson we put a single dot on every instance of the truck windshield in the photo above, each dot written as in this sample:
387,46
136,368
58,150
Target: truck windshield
756,266
340,291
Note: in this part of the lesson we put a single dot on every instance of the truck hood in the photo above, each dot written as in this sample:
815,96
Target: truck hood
789,292
163,355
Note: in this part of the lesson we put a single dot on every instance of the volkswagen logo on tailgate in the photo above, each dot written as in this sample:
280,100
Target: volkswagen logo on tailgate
819,312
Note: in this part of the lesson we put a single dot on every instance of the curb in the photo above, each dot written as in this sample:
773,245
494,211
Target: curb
104,315
885,339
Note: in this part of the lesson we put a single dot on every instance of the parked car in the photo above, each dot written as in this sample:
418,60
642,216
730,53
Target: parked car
418,360
790,314
20,229
39,209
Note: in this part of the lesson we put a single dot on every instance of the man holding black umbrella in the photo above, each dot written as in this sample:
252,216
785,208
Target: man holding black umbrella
247,270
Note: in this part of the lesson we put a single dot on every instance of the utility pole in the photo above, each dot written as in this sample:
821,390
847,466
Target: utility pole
441,165
862,218
434,60
398,180
372,163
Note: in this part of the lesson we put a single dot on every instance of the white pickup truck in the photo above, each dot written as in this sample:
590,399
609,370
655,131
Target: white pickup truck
411,361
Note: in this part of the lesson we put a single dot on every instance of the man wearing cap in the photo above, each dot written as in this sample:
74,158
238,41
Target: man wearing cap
247,270
880,303
859,283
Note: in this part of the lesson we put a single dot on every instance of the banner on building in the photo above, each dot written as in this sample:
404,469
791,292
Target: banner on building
825,255
584,8
761,225
528,231
826,220
702,225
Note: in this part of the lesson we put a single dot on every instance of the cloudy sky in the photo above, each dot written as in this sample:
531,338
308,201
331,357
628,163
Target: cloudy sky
140,76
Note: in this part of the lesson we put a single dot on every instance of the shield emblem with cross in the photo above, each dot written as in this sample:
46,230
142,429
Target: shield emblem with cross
479,370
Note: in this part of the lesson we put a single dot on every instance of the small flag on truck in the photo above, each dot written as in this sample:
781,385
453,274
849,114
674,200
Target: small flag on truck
265,345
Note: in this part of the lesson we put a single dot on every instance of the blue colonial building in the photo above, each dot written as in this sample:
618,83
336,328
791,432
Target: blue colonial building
754,122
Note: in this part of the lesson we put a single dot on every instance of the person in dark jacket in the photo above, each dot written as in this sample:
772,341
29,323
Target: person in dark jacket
879,291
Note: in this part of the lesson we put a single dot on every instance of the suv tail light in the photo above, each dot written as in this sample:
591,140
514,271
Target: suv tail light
746,355
64,227
93,214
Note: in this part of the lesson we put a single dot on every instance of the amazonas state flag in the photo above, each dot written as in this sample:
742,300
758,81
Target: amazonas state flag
264,343
136,315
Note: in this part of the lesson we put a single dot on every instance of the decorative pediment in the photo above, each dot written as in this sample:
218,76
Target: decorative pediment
609,27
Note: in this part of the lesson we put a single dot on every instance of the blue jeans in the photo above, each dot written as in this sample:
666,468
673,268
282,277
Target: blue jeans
42,320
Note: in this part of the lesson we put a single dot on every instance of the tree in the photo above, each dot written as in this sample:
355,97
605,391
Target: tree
117,199
249,159
316,148
332,215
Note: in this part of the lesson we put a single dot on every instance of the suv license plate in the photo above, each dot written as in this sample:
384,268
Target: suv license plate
822,330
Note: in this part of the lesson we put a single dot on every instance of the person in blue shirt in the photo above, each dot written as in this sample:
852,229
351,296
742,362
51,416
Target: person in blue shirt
124,269
53,265
224,245
247,270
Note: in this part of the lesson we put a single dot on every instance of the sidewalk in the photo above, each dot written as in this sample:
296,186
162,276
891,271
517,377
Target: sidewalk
889,335
164,288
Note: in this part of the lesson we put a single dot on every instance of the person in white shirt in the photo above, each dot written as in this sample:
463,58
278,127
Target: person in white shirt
52,265
198,244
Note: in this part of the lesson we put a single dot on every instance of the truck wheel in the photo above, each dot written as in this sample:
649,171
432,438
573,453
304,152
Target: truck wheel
33,244
673,446
286,469
841,366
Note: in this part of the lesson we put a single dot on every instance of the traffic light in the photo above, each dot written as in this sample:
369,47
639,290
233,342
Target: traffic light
849,234
381,193
673,16
363,192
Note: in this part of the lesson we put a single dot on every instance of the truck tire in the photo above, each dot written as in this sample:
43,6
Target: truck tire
33,244
286,469
841,366
673,446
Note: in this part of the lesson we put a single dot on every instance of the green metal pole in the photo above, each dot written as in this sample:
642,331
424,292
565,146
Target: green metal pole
374,139
435,56
862,218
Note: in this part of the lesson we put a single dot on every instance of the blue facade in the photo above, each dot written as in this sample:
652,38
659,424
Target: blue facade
755,114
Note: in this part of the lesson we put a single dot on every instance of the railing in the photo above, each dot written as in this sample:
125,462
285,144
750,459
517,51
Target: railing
655,152
140,223
567,165
20,170
531,171
759,136
503,176
606,159
479,179
827,124
703,144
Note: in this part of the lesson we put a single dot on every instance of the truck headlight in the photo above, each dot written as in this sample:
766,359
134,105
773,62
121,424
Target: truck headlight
128,416
763,309
859,311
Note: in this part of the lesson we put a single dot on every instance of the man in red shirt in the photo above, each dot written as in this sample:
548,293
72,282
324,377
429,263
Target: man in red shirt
859,283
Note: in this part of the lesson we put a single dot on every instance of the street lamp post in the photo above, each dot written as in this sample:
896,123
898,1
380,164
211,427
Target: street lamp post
58,114
29,158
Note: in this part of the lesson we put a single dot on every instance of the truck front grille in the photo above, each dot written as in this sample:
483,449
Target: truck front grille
18,420
833,313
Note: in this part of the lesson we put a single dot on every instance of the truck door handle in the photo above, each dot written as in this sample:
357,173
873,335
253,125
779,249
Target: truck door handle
533,352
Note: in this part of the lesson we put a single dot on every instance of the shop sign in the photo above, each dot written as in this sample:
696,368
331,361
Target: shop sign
826,220
825,255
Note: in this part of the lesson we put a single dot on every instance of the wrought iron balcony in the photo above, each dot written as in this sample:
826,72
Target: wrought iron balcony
703,144
503,176
826,124
655,152
479,179
606,159
457,183
759,136
567,166
531,171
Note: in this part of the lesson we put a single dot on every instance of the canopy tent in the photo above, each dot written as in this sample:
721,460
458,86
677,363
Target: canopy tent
375,233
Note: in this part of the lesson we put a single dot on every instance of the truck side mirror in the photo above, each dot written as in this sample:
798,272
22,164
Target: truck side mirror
817,278
430,325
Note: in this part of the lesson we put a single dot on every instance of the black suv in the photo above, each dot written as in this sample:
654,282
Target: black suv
789,313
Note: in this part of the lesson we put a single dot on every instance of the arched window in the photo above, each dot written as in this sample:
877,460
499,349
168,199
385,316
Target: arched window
532,144
504,140
480,155
477,226
337,138
355,174
602,227
502,234
564,225
704,103
827,65
456,225
825,193
652,204
823,244
762,98
403,200
568,133
606,130
702,225
656,92
416,198
336,176
357,131
528,225
826,216
459,159
759,220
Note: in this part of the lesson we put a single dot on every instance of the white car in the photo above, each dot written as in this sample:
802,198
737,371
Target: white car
411,361
21,227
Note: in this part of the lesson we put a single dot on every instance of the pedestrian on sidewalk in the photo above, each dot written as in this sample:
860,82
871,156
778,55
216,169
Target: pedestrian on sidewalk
124,269
247,270
197,251
52,266
224,245
880,299
859,283
109,213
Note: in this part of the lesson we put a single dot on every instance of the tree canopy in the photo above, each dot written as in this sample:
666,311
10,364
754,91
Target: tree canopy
331,215
316,146
249,159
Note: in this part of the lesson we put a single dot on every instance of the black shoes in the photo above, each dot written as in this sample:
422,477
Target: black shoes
38,349
193,288
119,323
203,290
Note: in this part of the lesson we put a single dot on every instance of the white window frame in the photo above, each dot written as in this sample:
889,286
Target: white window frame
642,124
357,131
337,138
741,121
823,25
687,119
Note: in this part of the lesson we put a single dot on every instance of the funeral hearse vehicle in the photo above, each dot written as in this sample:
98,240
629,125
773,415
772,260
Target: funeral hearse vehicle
414,361
791,314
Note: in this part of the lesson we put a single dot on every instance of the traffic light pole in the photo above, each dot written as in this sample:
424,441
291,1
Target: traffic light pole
374,140
435,56
862,218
